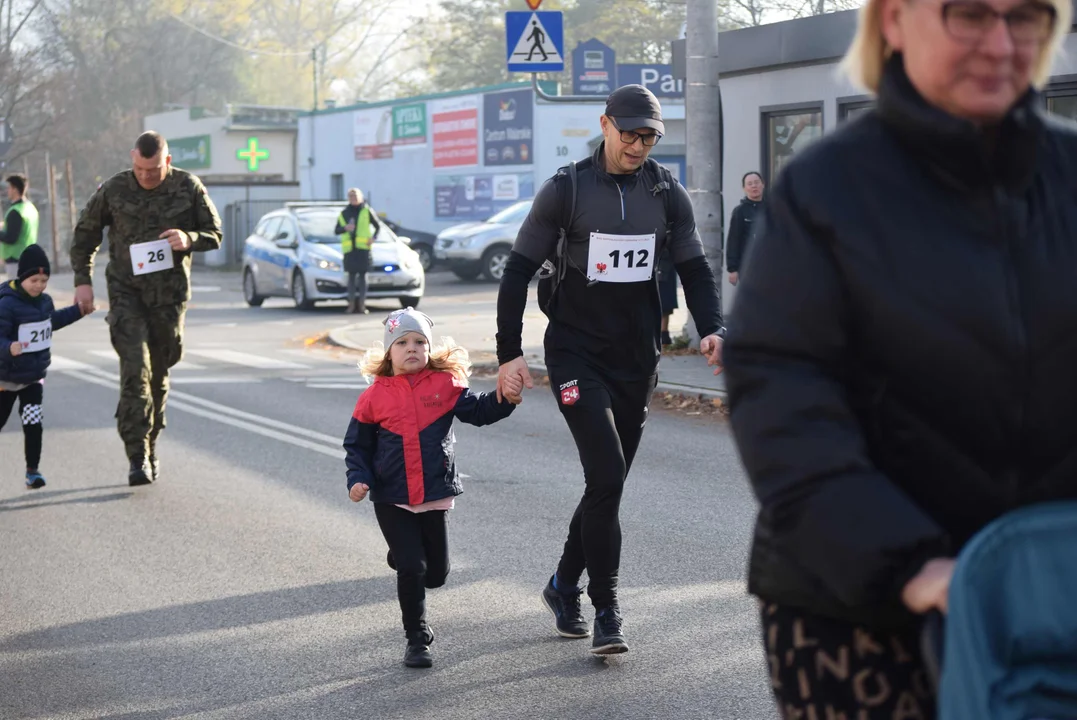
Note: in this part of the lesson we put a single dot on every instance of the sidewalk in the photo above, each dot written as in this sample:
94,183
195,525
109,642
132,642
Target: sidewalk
686,375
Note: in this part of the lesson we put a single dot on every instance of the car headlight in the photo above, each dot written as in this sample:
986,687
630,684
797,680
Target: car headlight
463,243
410,262
327,265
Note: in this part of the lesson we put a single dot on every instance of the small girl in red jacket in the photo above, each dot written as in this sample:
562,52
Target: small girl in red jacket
400,449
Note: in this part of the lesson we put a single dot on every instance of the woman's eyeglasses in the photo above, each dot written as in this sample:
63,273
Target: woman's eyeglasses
970,21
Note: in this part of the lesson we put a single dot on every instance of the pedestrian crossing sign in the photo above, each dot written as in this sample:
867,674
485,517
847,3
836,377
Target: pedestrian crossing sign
535,41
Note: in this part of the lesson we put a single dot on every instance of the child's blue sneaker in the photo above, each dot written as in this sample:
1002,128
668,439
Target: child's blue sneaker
34,479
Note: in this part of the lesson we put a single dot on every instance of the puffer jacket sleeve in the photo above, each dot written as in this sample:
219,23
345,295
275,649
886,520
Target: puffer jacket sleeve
481,408
66,316
823,504
360,441
9,328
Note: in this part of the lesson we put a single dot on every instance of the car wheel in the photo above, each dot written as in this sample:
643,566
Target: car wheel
250,290
493,263
299,292
467,272
409,302
426,256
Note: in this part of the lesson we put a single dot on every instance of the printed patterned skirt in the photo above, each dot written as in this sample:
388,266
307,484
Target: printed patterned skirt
825,669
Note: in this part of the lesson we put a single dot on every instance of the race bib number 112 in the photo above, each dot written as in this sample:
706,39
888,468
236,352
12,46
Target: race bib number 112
620,258
151,257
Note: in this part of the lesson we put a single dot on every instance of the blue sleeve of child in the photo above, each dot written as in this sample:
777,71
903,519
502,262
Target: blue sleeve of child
65,317
9,330
481,408
359,444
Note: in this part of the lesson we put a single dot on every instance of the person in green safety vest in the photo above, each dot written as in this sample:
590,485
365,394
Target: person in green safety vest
358,226
19,229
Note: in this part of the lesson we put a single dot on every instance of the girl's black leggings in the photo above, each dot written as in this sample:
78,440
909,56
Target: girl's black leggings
419,543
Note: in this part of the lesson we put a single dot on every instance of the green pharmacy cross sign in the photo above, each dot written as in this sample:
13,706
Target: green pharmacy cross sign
252,154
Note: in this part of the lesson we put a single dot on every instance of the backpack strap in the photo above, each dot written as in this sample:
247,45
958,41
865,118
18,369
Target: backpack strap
556,266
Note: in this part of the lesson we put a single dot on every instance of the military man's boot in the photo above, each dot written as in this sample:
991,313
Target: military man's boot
140,472
155,465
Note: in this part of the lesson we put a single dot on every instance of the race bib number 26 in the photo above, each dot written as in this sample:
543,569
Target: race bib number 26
151,257
620,258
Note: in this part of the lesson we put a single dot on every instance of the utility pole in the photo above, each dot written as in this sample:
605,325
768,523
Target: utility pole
704,138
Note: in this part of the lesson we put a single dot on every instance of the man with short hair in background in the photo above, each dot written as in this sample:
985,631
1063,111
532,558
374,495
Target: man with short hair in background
19,229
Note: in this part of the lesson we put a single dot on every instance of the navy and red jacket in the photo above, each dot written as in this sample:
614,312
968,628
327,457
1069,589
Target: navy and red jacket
400,440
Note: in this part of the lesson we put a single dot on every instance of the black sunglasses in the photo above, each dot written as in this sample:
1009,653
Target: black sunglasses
628,137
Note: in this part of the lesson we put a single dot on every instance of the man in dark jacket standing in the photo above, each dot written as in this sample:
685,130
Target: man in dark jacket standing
358,226
744,225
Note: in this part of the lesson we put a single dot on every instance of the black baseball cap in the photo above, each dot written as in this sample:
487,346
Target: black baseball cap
633,107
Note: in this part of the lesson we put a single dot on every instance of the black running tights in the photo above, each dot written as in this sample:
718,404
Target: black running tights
419,543
607,424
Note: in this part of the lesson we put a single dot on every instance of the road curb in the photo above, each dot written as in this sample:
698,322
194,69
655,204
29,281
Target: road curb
538,368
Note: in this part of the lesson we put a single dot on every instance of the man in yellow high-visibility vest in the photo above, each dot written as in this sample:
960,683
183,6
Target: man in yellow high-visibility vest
19,229
358,226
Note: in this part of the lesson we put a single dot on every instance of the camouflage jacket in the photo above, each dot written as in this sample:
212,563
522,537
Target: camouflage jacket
134,215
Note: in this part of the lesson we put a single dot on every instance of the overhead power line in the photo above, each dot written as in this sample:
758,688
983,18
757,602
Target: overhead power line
237,46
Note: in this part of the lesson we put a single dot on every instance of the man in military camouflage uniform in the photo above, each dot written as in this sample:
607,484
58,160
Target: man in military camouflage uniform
157,216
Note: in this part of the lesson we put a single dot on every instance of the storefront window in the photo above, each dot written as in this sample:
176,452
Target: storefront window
787,133
1064,105
853,110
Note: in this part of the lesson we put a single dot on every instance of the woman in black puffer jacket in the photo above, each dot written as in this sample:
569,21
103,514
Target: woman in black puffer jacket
901,359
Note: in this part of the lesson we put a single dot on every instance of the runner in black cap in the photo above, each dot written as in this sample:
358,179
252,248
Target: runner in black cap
596,228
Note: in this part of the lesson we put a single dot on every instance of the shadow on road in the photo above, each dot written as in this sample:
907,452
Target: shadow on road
92,500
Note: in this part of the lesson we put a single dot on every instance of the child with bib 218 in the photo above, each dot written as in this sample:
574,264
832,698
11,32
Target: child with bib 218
27,321
400,449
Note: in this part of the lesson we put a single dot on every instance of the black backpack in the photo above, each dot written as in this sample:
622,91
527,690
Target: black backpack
553,270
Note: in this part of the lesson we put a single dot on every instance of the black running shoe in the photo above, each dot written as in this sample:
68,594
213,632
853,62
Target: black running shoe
417,654
609,640
565,606
389,560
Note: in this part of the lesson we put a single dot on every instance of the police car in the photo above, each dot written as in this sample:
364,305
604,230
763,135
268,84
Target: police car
294,253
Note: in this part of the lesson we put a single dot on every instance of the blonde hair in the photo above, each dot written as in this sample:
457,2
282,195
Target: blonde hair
867,55
446,357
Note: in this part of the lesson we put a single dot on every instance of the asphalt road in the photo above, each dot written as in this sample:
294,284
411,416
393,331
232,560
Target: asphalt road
245,584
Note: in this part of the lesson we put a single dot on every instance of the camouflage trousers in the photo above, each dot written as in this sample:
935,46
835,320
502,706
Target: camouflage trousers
149,341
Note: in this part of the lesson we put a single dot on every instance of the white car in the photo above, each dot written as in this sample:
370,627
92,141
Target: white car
482,247
294,253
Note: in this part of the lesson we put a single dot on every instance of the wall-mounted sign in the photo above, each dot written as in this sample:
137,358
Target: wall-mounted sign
190,153
593,68
372,133
656,78
507,125
477,197
409,125
455,131
252,154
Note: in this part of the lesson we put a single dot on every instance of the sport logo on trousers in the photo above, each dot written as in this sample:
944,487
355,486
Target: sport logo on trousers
570,392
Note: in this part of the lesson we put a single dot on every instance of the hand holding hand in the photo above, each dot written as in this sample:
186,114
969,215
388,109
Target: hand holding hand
84,298
177,239
930,588
512,388
358,492
16,349
510,376
711,346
